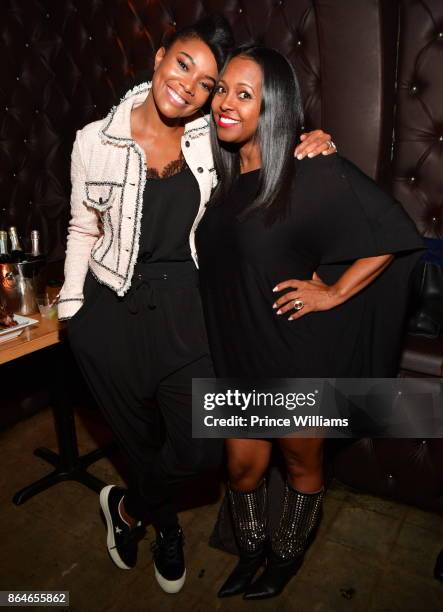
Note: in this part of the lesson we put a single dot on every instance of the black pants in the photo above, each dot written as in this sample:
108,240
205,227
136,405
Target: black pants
138,355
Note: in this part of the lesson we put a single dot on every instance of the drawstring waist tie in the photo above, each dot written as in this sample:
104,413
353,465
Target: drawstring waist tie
151,276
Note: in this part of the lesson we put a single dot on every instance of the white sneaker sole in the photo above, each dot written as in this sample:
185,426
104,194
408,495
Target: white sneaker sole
110,540
170,586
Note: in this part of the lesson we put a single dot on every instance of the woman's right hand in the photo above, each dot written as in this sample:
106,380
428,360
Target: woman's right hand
311,296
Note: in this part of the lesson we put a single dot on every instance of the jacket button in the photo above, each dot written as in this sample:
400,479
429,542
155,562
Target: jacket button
200,169
187,143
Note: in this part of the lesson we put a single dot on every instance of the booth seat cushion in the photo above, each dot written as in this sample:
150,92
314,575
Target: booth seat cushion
423,355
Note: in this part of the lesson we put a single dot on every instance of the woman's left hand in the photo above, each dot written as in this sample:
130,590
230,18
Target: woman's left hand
309,295
313,143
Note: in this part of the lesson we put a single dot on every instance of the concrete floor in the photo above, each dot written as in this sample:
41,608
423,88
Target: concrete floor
370,554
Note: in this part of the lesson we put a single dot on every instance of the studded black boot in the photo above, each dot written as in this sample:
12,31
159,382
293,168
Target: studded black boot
249,517
298,522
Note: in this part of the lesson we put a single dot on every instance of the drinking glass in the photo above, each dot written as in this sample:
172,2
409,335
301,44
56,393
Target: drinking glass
47,306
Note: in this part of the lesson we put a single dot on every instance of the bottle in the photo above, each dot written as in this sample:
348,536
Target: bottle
17,253
4,255
35,246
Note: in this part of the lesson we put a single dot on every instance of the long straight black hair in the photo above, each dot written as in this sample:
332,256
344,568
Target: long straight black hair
279,127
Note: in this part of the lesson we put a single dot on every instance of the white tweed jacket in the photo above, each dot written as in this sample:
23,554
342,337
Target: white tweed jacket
108,174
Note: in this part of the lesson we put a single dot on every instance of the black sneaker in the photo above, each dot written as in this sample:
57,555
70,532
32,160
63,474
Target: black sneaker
122,540
169,561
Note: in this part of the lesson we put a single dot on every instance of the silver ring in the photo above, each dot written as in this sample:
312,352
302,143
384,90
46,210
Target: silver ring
330,144
298,304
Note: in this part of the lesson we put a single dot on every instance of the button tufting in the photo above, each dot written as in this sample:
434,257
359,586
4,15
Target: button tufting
299,43
26,45
413,89
440,138
440,36
423,441
434,219
240,10
90,37
412,179
390,476
6,108
48,15
174,23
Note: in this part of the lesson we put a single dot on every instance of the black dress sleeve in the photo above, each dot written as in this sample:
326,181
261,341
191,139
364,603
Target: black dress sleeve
365,221
356,219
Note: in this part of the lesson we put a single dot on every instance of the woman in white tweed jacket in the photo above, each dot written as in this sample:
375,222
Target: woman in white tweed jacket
108,174
131,290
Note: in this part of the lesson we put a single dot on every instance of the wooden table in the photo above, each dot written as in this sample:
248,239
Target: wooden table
67,463
46,333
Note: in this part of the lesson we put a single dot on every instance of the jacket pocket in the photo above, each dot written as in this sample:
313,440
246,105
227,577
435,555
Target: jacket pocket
101,194
104,243
91,292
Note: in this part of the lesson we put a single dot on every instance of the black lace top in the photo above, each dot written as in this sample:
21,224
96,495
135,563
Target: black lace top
170,205
174,167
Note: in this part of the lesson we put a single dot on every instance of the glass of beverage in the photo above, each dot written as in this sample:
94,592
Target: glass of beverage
47,306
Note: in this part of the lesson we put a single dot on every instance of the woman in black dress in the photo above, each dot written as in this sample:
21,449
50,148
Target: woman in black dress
291,256
140,179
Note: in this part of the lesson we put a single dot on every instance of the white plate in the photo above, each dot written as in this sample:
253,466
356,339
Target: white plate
9,333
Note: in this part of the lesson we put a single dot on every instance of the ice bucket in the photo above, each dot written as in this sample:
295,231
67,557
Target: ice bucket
20,283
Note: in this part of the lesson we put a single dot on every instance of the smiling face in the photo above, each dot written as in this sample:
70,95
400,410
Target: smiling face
184,77
237,101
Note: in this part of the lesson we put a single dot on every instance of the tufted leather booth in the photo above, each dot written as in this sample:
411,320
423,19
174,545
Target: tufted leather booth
368,69
417,180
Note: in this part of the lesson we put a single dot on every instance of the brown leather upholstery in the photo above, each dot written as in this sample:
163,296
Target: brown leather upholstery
64,62
418,146
407,470
423,355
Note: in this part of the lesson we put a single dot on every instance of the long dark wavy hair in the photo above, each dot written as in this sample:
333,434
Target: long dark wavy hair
279,126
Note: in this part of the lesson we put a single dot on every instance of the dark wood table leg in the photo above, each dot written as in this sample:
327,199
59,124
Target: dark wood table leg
68,464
